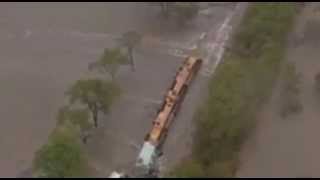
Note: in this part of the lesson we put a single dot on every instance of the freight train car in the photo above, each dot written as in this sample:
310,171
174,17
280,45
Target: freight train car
167,112
155,138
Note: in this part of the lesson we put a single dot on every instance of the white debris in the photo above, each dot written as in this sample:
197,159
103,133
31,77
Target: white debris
115,174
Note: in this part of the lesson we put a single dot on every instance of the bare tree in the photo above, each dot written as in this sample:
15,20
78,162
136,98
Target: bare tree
130,40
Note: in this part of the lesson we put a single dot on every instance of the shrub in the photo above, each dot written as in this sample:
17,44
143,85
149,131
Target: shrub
190,169
61,157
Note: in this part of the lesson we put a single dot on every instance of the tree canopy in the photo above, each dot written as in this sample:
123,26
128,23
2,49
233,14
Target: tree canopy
96,94
61,157
109,62
77,117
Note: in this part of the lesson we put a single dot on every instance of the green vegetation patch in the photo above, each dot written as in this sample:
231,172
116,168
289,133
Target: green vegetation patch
62,156
237,89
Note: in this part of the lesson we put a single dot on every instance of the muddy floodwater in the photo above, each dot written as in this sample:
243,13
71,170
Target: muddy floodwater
290,147
43,48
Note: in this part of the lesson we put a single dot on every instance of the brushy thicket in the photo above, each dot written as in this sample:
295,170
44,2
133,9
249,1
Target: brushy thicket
237,90
62,156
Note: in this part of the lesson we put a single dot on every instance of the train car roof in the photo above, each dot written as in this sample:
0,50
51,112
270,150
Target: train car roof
146,154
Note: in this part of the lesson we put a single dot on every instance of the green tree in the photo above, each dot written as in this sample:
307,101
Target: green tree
130,40
79,118
96,94
109,62
61,157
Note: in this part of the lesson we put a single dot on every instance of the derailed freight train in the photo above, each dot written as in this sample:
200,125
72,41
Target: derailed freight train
146,164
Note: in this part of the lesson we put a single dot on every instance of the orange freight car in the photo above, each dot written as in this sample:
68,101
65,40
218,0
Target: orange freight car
151,150
170,106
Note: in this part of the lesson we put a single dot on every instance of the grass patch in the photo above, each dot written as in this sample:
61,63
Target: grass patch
237,90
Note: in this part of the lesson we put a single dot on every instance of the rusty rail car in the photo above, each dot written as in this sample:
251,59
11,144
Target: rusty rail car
172,101
155,138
